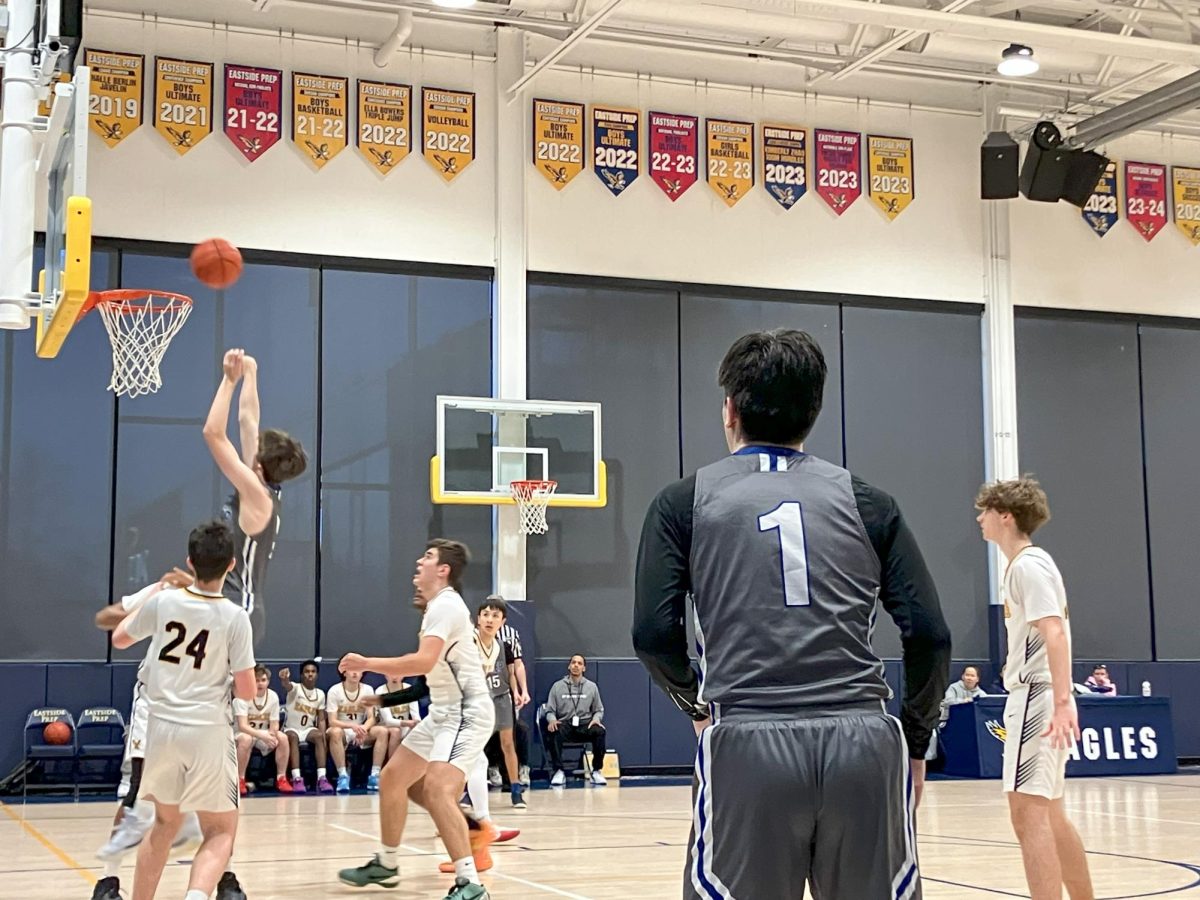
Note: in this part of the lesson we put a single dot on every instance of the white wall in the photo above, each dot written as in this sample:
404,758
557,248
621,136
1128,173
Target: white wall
933,250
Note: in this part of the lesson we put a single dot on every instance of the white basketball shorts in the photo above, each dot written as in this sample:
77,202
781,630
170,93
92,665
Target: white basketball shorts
193,767
135,736
455,735
1031,765
300,733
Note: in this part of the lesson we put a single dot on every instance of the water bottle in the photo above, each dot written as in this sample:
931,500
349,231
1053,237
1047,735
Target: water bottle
1145,689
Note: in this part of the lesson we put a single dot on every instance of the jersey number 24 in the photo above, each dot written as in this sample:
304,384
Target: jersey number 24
196,649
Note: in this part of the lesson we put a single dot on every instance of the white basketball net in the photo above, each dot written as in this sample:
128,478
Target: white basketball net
532,498
141,329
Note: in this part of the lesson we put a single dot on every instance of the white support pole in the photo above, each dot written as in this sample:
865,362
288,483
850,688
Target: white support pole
999,353
18,160
509,299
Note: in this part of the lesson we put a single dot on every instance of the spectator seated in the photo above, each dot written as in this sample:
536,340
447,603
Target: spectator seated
573,714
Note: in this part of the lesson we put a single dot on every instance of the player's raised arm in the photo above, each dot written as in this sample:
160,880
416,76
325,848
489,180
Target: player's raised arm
256,504
407,666
248,410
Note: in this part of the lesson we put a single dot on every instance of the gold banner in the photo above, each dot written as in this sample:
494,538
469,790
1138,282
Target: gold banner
1186,192
183,99
448,130
558,143
115,107
890,173
730,152
319,116
44,106
384,123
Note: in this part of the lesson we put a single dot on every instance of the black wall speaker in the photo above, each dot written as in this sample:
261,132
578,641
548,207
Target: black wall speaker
999,165
1082,175
1044,171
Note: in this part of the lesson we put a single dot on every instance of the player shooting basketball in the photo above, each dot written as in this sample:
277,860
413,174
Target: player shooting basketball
267,460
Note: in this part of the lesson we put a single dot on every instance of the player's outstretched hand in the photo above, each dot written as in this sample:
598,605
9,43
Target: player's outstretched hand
353,662
233,364
249,365
1063,729
178,578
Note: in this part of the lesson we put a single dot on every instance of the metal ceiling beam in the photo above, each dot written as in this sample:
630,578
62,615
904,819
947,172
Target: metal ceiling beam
1179,96
888,15
575,37
894,43
1106,67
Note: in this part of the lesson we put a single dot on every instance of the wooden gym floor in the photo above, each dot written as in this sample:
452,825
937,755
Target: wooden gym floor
618,843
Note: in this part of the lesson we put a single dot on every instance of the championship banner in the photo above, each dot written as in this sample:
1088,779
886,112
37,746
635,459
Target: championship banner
674,151
448,127
785,163
384,123
839,163
253,108
558,145
115,107
319,115
1186,193
183,101
1146,197
615,141
729,152
1101,211
890,168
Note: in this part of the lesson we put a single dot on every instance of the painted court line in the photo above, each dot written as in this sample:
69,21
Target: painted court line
50,845
533,884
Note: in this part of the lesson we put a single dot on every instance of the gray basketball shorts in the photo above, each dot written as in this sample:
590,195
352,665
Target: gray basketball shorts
504,712
781,801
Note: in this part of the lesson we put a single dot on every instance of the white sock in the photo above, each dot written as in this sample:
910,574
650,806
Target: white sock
295,774
112,869
343,772
320,772
195,895
477,788
375,770
387,856
465,868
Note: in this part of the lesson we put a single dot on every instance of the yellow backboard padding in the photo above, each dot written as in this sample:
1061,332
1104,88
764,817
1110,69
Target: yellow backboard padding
76,279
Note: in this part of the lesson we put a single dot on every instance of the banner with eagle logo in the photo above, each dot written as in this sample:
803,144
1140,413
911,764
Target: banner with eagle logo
674,152
1146,197
319,116
1101,210
448,130
183,102
558,144
785,163
839,167
253,108
384,136
615,147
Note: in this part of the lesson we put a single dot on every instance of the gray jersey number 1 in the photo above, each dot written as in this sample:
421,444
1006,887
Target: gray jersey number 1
788,520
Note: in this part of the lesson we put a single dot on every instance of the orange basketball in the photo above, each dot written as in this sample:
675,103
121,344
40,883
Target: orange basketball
57,733
216,262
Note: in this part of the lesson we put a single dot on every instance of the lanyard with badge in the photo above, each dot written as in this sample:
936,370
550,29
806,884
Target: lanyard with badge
575,700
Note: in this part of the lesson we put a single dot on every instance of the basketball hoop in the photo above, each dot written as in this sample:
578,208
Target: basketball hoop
532,498
140,326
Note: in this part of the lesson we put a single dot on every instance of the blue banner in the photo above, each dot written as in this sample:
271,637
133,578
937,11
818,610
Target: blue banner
616,145
1101,210
1119,736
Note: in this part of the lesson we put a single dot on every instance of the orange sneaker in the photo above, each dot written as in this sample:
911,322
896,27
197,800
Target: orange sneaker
481,841
242,789
281,785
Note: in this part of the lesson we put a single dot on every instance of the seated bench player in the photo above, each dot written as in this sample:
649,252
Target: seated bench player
305,722
399,720
258,730
352,722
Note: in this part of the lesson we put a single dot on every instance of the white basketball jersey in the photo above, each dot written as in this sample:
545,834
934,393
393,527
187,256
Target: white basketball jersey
457,676
1033,590
198,640
259,712
344,705
129,603
304,707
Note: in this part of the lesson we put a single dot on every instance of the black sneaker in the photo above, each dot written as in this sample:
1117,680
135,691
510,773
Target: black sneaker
107,889
229,889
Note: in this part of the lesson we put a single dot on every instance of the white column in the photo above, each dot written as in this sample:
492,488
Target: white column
509,299
18,163
999,353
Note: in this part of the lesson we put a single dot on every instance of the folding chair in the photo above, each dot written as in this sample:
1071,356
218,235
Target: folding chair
51,758
101,739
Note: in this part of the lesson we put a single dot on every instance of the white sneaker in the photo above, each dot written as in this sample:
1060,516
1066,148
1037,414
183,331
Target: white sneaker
128,835
598,779
189,837
558,779
494,778
523,775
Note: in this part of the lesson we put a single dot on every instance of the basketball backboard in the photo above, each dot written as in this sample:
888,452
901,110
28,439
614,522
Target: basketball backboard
484,444
43,171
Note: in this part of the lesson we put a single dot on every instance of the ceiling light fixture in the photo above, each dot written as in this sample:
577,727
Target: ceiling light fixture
1017,61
